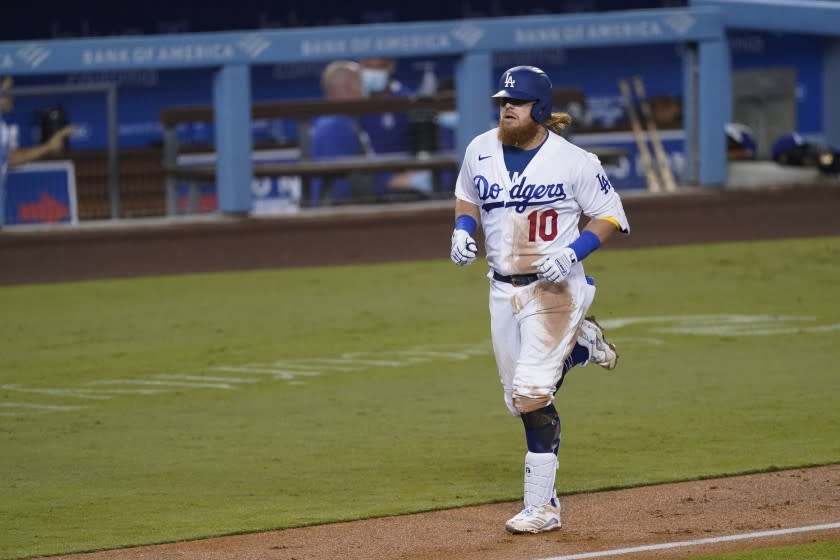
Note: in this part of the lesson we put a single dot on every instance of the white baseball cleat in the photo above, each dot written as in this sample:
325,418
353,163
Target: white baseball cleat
535,519
601,352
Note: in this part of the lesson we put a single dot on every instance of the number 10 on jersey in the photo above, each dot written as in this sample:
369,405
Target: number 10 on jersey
542,223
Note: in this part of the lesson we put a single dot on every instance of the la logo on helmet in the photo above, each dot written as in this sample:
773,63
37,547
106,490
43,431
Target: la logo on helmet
509,81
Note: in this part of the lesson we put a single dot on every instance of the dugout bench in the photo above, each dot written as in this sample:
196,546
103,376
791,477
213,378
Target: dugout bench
303,111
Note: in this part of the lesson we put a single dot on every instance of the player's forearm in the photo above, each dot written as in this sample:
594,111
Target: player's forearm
54,145
603,229
25,155
596,232
466,216
462,207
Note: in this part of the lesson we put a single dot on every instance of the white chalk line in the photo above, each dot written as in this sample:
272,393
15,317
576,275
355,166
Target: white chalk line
182,377
294,371
36,408
54,391
275,373
724,324
163,383
697,542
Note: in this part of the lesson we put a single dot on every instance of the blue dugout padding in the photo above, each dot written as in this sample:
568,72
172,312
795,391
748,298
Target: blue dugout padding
700,29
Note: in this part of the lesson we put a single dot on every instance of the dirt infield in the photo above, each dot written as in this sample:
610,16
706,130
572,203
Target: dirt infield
598,522
593,523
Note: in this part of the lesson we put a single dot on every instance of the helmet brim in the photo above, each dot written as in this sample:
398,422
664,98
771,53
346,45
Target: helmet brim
509,95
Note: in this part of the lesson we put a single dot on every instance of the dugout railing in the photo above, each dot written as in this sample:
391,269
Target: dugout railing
303,112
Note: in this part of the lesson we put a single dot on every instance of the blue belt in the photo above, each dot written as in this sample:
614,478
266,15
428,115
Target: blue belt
516,279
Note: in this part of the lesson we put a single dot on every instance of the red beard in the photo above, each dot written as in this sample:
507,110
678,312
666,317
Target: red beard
518,133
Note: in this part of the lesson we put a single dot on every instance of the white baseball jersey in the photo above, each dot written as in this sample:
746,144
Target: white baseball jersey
8,142
535,213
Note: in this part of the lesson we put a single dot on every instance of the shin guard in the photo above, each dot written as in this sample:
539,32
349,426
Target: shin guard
542,430
540,470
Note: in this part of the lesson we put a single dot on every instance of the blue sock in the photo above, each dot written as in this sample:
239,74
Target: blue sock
578,356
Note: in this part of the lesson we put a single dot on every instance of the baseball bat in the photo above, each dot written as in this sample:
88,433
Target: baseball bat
638,134
658,150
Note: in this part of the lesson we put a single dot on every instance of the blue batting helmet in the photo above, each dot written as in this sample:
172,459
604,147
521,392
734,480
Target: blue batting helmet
527,83
786,144
740,136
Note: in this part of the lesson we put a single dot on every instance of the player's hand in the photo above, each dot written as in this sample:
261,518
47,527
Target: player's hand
464,248
55,145
556,268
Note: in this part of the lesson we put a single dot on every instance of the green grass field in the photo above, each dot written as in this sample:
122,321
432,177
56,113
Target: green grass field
160,409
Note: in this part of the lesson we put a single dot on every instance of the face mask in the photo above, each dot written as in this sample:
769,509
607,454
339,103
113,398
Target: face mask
448,119
374,80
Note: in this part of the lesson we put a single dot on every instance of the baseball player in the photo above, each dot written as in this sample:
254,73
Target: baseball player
528,187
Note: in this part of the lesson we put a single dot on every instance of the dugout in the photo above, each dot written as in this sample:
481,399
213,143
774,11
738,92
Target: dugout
767,101
699,28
